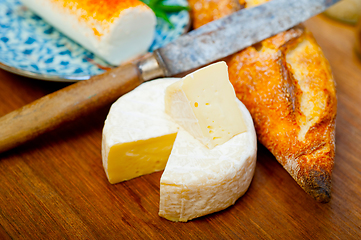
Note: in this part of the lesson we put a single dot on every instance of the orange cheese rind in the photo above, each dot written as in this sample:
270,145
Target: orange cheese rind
115,30
97,15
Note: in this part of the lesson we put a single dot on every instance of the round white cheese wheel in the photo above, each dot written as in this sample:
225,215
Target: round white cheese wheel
196,180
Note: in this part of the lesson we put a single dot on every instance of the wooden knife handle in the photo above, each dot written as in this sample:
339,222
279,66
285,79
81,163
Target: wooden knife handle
66,104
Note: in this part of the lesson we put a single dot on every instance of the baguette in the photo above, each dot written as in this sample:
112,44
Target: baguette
205,11
287,85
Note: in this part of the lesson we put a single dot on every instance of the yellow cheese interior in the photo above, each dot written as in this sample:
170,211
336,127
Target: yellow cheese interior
204,103
133,159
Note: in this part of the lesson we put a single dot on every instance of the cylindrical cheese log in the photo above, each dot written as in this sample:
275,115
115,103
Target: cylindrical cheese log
115,30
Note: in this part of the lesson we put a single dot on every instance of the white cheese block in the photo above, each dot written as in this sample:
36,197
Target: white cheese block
199,181
196,180
114,30
204,103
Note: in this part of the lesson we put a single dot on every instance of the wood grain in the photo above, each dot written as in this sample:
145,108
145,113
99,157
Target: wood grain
65,105
54,187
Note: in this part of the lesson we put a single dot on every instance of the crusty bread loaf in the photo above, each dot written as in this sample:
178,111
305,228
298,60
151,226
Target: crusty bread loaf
204,11
287,85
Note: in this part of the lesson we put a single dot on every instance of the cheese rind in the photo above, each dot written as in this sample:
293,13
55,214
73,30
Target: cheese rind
199,181
136,124
196,180
204,103
114,30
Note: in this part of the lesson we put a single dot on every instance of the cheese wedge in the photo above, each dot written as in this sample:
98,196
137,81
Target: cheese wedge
204,103
138,135
114,30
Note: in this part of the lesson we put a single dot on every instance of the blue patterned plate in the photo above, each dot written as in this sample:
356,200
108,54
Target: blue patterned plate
31,47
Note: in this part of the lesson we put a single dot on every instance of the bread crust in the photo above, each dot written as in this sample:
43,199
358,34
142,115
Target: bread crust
205,11
287,85
294,113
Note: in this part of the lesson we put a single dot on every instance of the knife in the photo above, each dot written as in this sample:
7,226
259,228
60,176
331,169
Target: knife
207,44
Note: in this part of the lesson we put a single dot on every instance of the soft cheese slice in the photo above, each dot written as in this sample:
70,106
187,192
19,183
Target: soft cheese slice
138,135
114,30
199,181
204,103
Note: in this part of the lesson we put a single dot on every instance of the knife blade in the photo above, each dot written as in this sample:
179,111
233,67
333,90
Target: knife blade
237,31
207,44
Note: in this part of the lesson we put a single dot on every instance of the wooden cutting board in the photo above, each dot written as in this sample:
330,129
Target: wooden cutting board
55,188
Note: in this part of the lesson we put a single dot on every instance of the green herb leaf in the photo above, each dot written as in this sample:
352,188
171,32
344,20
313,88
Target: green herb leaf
163,15
154,3
161,10
173,8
